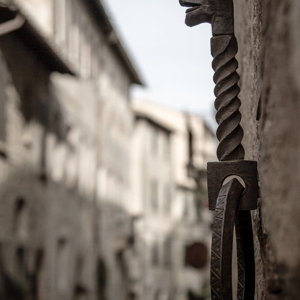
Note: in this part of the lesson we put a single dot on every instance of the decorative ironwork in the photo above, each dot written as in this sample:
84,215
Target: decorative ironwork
233,202
221,254
227,104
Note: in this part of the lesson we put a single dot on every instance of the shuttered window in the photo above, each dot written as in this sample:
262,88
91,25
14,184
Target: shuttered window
3,101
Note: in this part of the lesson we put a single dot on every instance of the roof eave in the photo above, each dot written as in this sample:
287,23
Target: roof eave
101,18
36,42
154,122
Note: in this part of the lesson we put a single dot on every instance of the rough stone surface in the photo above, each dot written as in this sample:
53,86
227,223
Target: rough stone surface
269,45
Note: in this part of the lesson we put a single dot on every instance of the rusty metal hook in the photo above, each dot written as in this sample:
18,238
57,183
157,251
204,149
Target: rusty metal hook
226,217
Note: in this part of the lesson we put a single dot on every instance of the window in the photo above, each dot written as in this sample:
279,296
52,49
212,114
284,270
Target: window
166,147
154,195
44,120
21,219
155,253
68,23
95,58
74,35
167,199
86,55
62,268
191,152
39,278
80,289
3,116
154,141
71,169
60,29
185,211
20,270
168,252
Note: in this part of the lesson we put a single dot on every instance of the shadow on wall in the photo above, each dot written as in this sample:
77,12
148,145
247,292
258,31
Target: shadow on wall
24,287
101,279
120,255
10,289
31,80
27,244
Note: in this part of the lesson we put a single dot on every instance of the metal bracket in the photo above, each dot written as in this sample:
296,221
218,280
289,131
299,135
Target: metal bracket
217,172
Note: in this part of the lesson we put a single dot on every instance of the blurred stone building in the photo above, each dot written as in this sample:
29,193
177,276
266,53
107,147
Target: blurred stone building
173,209
66,124
95,198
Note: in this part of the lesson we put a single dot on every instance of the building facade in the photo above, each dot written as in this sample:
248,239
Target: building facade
65,124
152,196
173,207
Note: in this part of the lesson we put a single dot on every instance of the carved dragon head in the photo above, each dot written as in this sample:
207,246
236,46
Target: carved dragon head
200,11
217,12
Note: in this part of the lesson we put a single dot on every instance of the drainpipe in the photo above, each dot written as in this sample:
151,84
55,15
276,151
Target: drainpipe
12,25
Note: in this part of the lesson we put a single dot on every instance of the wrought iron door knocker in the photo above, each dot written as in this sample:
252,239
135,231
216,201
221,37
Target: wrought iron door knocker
232,202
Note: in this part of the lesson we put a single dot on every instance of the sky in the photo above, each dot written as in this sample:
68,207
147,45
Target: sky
173,60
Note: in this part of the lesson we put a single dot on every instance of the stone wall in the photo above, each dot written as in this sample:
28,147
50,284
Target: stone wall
269,47
47,236
65,220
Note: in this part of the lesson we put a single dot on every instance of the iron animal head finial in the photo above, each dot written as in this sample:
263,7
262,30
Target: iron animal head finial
217,12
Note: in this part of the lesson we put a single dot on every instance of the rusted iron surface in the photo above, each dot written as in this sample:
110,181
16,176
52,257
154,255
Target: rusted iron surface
227,103
217,12
232,202
217,172
226,216
224,48
221,255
